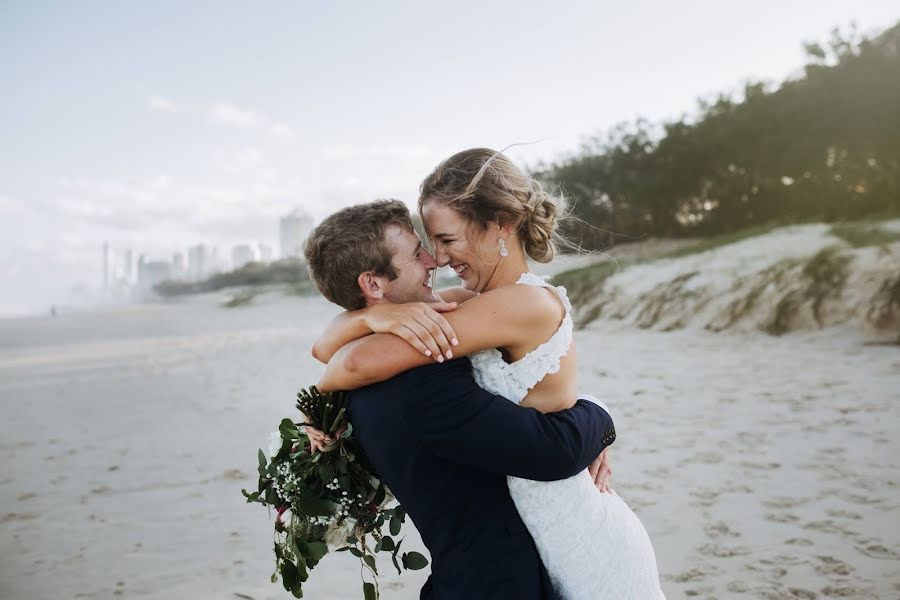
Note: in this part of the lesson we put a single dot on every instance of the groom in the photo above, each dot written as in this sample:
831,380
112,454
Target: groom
443,445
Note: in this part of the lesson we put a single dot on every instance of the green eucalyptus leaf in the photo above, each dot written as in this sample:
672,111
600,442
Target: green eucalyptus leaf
355,552
370,560
414,561
369,592
387,544
316,550
395,526
302,573
326,472
313,506
288,429
396,564
288,575
262,468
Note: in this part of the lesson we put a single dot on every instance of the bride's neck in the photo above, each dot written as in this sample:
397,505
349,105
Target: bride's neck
508,271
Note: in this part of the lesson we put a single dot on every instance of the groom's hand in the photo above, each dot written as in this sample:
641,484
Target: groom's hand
600,471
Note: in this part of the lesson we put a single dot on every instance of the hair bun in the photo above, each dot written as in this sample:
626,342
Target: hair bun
538,227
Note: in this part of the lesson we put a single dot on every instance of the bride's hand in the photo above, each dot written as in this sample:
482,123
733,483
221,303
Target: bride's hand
600,471
319,441
419,323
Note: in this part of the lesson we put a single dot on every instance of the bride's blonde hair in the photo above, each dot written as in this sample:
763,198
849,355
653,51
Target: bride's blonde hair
484,186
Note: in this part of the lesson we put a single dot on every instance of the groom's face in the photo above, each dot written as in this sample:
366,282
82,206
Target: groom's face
413,265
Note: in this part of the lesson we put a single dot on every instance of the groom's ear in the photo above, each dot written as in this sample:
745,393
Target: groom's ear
371,285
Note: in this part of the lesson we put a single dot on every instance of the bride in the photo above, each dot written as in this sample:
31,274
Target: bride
484,217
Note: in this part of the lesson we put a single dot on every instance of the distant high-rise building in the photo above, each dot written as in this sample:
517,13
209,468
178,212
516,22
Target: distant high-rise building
199,259
178,266
105,266
241,255
127,268
265,252
292,231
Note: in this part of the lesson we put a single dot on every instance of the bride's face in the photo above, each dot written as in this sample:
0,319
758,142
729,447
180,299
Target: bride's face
469,250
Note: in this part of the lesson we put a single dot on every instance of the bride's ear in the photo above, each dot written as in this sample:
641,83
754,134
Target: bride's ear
371,285
501,231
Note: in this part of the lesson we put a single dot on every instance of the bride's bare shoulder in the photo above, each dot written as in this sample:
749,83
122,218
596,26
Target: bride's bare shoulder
527,304
456,294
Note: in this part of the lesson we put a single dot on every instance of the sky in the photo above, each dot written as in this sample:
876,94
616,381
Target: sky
159,125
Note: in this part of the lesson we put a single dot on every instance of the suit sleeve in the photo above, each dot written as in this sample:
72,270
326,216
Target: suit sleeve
462,423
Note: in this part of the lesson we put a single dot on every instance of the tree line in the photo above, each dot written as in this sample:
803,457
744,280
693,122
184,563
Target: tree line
824,146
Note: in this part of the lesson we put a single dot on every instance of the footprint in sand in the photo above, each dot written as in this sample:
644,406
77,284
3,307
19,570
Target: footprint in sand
696,574
832,567
720,529
705,497
737,587
799,542
874,549
784,502
703,458
234,475
845,591
829,526
719,551
14,517
707,591
860,498
780,592
781,517
760,466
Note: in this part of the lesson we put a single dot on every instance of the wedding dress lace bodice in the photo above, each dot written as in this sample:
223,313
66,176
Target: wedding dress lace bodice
593,546
513,380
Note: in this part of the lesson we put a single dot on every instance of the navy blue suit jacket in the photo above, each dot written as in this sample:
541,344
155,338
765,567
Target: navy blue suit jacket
444,447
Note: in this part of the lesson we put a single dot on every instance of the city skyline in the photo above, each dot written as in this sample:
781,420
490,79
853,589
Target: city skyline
122,269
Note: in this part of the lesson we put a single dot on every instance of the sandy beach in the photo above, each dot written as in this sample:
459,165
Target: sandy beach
762,467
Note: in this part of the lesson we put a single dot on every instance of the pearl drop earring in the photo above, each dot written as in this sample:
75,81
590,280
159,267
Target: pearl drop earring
503,250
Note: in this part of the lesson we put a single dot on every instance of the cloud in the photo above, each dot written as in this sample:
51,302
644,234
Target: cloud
230,115
282,130
239,162
385,152
160,104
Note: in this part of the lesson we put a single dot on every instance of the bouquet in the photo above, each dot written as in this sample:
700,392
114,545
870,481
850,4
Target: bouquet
328,500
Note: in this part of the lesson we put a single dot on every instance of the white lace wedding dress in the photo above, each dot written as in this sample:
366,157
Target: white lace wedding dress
593,546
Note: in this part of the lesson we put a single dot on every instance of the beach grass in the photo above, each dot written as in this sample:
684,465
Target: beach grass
862,234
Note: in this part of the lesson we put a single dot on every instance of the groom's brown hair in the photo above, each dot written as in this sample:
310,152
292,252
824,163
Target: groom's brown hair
351,242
